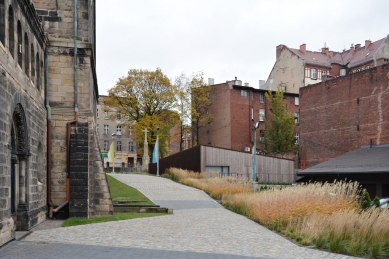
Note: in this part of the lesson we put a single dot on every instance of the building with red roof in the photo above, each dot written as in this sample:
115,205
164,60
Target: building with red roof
295,68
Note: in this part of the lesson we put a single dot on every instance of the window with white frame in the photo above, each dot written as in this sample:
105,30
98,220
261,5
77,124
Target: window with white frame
262,97
97,128
243,93
262,136
343,72
296,138
296,117
119,116
105,115
296,101
307,72
119,130
106,145
106,131
313,73
131,146
261,114
118,146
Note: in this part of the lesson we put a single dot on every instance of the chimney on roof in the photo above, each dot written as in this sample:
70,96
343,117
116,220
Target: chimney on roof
367,43
352,49
303,48
357,46
324,50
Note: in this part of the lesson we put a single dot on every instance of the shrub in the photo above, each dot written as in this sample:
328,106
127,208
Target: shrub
365,200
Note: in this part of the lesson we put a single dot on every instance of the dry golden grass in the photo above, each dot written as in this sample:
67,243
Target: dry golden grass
325,215
215,185
294,202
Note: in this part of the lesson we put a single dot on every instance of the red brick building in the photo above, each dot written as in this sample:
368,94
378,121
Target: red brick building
343,114
236,108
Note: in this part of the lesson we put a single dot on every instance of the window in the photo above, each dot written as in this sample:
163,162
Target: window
262,136
119,146
131,133
11,31
32,64
296,101
38,73
343,72
105,144
2,22
97,128
26,56
243,93
367,67
131,146
307,72
262,97
323,72
97,113
319,74
106,131
296,117
261,114
118,116
19,45
296,138
119,130
105,115
313,73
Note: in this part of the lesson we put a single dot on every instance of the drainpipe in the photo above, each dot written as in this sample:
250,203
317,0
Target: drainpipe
49,142
68,124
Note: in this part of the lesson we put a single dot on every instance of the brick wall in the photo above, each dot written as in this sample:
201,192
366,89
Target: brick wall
340,115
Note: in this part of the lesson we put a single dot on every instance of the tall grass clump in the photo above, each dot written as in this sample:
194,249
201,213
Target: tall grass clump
329,216
215,185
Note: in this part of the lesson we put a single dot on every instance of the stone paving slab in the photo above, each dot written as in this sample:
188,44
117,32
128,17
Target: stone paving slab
41,250
187,204
198,230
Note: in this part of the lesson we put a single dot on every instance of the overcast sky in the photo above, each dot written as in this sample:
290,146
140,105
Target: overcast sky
225,38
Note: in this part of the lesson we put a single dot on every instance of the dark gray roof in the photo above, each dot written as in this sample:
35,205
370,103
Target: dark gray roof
366,159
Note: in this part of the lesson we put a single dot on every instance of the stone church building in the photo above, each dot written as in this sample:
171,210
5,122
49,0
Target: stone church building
50,164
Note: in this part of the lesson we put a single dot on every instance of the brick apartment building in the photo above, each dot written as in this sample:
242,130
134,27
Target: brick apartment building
296,68
236,108
343,114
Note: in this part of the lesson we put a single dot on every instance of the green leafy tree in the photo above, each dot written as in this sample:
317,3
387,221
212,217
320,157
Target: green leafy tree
200,105
280,127
144,97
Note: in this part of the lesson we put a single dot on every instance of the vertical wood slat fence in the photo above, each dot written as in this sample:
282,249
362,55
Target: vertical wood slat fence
269,169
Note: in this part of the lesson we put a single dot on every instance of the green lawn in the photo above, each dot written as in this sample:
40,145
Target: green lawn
116,216
121,191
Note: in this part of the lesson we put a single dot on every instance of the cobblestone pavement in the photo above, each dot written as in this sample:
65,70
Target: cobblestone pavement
198,225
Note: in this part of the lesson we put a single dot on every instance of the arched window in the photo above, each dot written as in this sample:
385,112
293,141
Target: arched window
2,22
38,72
26,56
32,64
19,46
11,31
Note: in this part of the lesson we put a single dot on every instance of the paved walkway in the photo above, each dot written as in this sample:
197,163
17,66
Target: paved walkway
198,228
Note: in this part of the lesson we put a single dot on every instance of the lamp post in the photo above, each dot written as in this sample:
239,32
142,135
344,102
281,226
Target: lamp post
157,147
254,174
113,161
